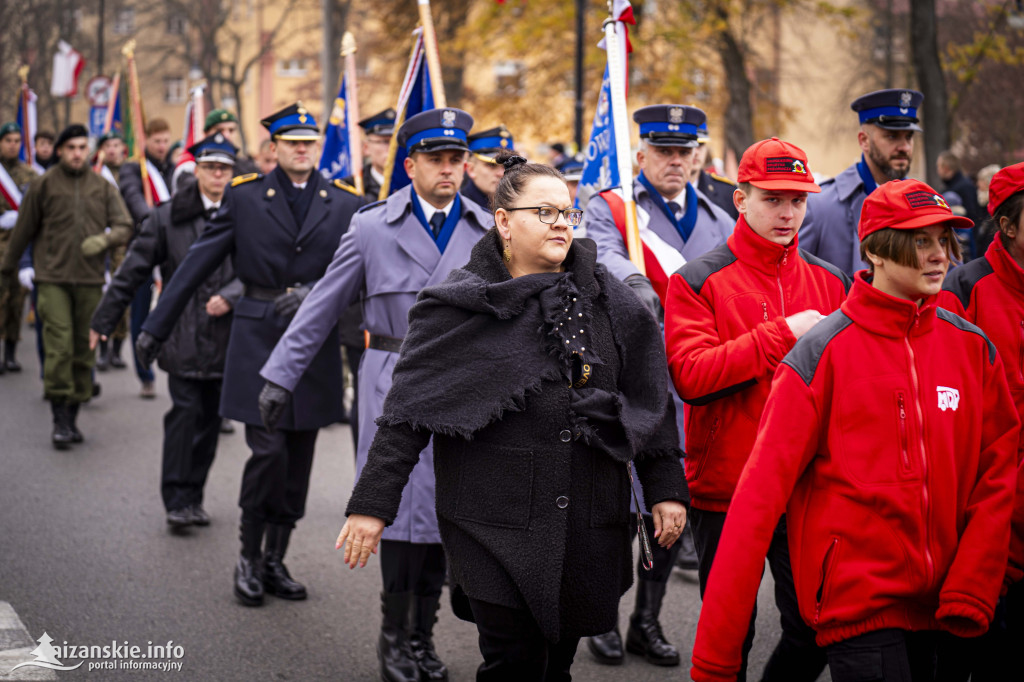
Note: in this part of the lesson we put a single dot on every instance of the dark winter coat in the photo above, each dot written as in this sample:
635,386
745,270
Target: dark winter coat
129,180
533,496
198,343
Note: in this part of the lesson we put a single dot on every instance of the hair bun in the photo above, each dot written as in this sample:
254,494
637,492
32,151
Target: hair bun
509,159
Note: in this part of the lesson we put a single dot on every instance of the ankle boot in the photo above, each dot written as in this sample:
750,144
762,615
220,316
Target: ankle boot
397,663
276,579
248,571
422,617
607,648
644,636
115,354
10,363
103,356
62,436
76,435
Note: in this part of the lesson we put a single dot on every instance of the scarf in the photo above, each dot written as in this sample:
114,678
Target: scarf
865,175
684,226
450,220
480,324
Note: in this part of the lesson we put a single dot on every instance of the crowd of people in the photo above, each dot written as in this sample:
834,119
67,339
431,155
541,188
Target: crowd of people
826,374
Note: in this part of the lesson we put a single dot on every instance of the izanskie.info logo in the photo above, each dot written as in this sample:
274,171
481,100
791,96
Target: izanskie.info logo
113,656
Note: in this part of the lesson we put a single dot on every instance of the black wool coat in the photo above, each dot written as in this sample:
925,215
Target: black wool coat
530,514
198,343
256,228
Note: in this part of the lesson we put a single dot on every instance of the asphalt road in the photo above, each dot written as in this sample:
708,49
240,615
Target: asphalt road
86,557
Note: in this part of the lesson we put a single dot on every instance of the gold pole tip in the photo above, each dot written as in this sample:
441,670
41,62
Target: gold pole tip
348,44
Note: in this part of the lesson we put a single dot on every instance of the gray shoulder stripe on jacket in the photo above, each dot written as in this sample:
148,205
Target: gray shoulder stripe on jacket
724,393
821,263
964,325
806,354
961,281
697,271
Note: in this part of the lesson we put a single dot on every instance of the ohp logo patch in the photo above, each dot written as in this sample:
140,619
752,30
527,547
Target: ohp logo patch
920,199
784,164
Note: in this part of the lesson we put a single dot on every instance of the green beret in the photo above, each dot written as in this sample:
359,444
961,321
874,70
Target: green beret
109,135
218,116
9,127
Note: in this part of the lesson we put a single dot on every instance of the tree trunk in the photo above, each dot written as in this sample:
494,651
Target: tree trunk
928,68
739,116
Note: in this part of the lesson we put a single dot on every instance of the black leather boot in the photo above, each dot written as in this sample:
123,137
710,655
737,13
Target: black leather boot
115,354
607,648
421,638
687,557
10,363
62,436
103,357
276,579
397,663
76,435
644,636
248,571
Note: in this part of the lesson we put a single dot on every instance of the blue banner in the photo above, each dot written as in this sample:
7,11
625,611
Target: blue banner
97,117
421,98
336,159
600,167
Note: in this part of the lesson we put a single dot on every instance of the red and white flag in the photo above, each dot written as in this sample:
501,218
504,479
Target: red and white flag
67,67
9,189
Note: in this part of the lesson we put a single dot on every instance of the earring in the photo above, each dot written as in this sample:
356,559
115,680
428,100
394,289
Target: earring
507,252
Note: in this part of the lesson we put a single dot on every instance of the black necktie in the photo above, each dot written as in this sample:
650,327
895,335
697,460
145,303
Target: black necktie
437,222
210,211
675,208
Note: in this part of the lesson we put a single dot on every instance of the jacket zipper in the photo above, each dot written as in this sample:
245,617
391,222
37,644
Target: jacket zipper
925,497
1020,353
904,449
826,569
778,278
764,308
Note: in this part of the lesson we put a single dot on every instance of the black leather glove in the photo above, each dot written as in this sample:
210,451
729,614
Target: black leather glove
647,295
272,401
147,347
286,304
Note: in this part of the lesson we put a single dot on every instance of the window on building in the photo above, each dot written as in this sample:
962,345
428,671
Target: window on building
124,21
291,68
176,25
510,77
175,90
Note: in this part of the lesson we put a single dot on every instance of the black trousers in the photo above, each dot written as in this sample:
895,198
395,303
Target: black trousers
276,477
796,657
993,657
191,429
354,354
886,656
412,567
664,559
514,648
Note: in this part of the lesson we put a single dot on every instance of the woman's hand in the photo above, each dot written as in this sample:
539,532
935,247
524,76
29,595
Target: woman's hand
669,519
363,534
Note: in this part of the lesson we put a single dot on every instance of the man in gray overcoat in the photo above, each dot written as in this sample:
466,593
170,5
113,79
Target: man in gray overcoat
393,249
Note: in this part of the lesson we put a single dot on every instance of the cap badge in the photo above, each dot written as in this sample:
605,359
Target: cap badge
219,139
905,99
799,168
448,118
503,143
920,199
224,116
940,201
675,115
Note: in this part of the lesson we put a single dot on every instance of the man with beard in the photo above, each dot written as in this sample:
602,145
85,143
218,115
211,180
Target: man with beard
888,121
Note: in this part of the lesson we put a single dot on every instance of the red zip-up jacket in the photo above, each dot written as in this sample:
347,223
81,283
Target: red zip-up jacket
725,333
989,292
889,440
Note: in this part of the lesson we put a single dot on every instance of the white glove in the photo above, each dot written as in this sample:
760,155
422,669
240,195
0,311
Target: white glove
26,276
7,219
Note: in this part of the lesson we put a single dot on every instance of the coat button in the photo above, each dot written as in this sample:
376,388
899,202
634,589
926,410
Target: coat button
565,435
562,501
298,249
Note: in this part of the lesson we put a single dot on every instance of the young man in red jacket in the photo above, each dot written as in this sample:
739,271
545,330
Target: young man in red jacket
731,316
989,292
889,440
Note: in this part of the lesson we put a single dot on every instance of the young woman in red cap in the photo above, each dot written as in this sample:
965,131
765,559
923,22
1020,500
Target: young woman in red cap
731,315
989,292
890,440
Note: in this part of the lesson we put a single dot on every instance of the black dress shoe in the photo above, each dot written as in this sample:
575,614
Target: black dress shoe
227,426
248,582
179,518
607,648
198,515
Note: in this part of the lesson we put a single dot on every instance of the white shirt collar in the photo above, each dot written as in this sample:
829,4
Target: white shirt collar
429,211
378,177
207,203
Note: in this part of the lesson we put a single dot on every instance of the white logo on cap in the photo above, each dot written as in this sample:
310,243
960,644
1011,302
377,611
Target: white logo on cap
906,98
448,118
219,139
675,115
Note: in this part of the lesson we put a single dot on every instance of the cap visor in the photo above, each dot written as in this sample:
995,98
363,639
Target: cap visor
900,126
957,222
299,134
486,157
216,158
662,142
786,185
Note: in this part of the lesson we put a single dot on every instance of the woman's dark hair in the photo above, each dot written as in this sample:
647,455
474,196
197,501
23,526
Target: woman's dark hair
518,172
899,246
1010,208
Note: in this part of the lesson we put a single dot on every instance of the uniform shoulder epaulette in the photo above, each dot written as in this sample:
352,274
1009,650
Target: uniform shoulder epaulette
242,179
373,205
347,187
716,176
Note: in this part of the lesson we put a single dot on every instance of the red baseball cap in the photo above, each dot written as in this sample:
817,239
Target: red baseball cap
774,164
906,205
1004,185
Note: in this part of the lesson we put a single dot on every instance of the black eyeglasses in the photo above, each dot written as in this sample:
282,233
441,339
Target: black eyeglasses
549,214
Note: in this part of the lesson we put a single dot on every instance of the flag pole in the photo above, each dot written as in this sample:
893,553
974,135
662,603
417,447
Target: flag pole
433,60
30,150
389,165
108,119
137,119
355,148
617,78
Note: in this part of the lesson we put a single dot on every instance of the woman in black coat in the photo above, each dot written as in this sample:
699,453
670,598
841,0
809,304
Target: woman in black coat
541,379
